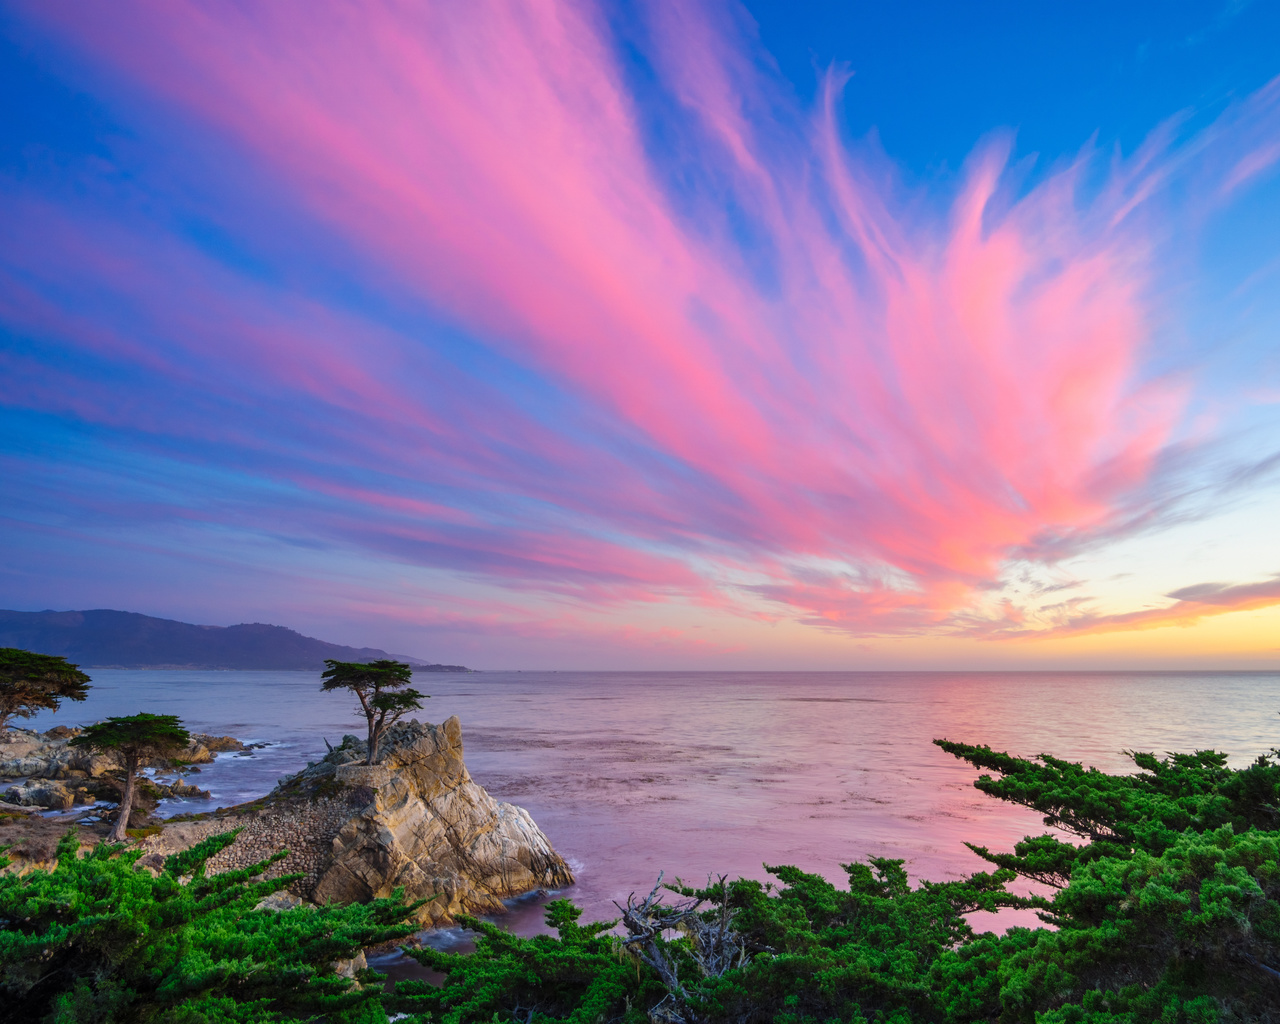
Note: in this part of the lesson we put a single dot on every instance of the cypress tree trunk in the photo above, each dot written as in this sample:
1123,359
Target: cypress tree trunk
370,716
118,833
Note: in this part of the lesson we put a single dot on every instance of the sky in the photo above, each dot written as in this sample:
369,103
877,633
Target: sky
676,334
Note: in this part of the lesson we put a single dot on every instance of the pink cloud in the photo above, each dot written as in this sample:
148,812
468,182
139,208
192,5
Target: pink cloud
487,619
1191,605
904,399
1251,165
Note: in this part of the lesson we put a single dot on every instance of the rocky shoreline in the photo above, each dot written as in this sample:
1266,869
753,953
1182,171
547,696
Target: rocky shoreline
43,770
416,821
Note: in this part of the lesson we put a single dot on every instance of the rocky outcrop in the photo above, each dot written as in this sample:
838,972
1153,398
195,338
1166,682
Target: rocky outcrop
46,793
52,768
417,820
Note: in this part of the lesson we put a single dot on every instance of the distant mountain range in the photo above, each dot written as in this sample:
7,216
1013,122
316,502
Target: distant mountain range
110,639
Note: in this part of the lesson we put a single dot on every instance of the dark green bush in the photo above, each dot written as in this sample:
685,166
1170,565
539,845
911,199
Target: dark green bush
99,940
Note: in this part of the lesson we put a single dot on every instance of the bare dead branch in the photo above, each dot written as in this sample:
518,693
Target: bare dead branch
712,944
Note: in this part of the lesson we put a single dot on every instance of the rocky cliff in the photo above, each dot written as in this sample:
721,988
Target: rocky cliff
417,820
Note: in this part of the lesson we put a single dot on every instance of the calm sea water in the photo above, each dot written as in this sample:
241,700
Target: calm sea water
630,774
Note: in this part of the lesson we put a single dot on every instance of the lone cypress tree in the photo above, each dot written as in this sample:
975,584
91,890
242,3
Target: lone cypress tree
135,741
36,682
377,685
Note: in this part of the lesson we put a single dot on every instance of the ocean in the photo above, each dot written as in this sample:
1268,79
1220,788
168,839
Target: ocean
694,773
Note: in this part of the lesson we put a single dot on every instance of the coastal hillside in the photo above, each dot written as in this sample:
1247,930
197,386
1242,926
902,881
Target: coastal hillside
114,639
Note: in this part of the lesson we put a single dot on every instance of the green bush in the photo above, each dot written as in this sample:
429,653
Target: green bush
98,940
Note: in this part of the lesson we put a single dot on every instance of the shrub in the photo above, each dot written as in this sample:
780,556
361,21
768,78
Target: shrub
97,940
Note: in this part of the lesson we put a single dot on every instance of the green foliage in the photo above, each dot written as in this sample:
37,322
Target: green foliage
140,735
1197,924
99,940
1116,814
378,687
392,705
36,682
582,976
371,677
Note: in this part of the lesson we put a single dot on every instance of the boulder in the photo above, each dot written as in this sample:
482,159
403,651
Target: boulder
351,968
16,742
62,732
41,793
32,755
218,744
279,901
26,766
182,789
92,764
196,753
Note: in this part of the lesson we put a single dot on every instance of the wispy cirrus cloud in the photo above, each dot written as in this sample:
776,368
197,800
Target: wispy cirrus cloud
769,378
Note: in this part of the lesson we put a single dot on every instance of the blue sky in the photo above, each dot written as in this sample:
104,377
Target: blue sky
675,334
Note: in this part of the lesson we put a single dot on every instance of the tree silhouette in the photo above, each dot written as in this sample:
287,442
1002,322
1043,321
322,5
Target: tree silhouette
135,741
377,685
36,682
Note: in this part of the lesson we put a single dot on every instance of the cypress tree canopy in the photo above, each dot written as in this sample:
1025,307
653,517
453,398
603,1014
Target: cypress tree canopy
31,682
142,735
379,687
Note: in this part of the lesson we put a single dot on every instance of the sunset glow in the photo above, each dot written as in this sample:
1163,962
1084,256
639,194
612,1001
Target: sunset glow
553,333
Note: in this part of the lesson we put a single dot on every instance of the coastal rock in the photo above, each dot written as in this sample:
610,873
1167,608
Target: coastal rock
183,790
17,742
91,764
41,793
351,968
431,829
30,755
63,732
280,901
416,820
217,744
27,766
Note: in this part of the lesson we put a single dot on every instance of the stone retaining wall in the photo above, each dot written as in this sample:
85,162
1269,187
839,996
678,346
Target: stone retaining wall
371,775
306,830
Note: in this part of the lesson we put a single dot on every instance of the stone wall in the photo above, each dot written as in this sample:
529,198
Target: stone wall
306,830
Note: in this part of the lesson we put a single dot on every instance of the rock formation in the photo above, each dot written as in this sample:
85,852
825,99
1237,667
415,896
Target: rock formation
417,820
58,775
